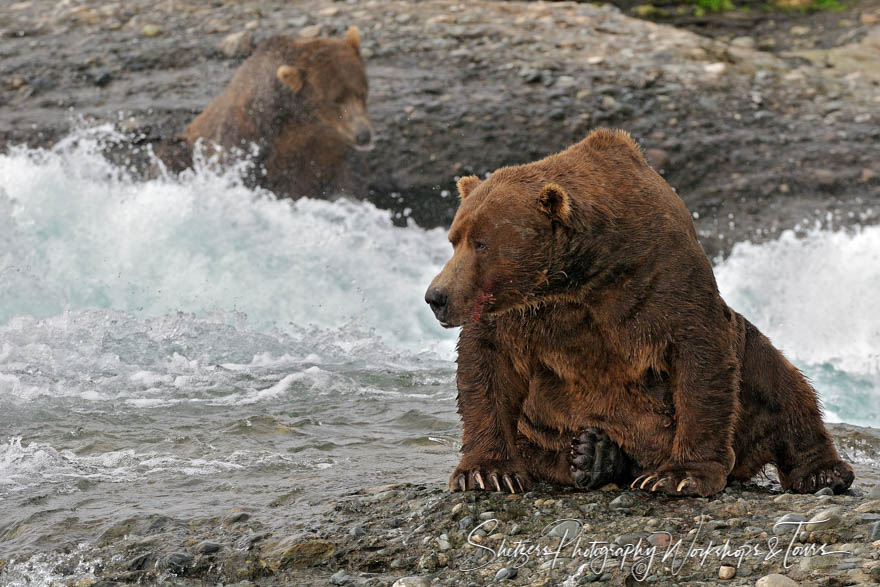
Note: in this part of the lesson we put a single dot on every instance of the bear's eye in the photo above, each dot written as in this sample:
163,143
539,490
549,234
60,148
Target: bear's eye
480,246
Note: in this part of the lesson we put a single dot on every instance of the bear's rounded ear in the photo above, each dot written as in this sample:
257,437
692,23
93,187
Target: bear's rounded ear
466,185
291,76
353,36
555,202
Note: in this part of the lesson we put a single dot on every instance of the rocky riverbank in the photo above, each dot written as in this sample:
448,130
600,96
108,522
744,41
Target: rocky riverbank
420,534
755,141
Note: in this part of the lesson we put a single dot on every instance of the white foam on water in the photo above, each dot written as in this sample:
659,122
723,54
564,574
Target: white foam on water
817,297
77,233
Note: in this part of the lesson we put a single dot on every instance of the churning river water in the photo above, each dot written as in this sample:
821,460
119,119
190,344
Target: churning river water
188,345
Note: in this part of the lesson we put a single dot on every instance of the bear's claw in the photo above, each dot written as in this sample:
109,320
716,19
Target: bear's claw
838,477
463,480
701,480
596,460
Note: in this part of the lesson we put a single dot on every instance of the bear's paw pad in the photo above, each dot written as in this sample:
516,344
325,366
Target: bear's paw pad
595,460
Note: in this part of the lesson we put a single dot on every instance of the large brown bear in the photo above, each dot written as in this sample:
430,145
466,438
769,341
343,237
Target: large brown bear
302,103
591,322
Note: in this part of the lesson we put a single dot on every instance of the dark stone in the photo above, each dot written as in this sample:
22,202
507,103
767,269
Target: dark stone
177,562
207,547
506,573
102,79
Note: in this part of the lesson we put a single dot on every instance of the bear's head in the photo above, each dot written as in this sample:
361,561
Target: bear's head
504,237
326,79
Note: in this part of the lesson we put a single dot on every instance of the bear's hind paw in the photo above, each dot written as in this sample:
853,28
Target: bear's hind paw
596,460
838,476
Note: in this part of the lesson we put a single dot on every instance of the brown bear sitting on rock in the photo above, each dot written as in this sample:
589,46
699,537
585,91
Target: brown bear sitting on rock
595,345
302,103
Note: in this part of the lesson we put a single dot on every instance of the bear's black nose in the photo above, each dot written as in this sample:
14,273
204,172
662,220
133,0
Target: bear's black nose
364,136
437,299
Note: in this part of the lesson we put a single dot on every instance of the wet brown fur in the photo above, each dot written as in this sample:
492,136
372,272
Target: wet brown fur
302,103
586,300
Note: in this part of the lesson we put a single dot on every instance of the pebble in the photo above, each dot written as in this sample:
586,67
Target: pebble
824,520
207,547
310,32
151,30
660,540
412,582
825,491
506,573
875,491
465,523
488,516
824,176
357,530
178,561
726,573
787,523
568,529
799,31
237,44
623,502
874,531
819,562
744,42
443,545
457,508
340,578
875,573
775,580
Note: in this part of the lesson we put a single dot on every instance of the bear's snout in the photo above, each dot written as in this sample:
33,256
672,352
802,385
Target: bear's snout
439,302
363,138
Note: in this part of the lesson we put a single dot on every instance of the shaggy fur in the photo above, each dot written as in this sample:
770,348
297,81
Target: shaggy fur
586,301
303,103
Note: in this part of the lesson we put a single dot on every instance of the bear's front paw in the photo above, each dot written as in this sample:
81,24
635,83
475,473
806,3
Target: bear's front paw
695,479
596,460
491,476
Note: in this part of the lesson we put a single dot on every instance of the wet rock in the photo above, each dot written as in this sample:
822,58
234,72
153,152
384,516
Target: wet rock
412,582
726,573
236,518
102,79
567,528
238,44
506,573
875,491
825,491
488,516
874,531
357,530
466,523
177,562
775,580
787,523
875,573
207,547
299,554
340,578
623,502
139,562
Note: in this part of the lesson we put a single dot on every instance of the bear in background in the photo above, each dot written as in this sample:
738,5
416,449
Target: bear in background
595,346
302,103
